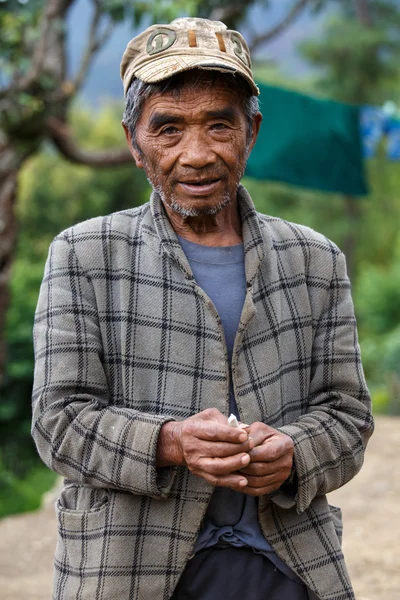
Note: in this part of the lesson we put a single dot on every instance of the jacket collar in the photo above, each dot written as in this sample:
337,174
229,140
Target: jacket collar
161,236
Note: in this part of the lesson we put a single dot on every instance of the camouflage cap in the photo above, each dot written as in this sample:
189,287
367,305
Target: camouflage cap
187,43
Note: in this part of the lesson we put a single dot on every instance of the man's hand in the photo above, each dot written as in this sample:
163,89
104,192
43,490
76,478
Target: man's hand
271,460
208,446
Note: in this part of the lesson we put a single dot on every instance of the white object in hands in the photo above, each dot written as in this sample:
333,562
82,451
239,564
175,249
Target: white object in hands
232,420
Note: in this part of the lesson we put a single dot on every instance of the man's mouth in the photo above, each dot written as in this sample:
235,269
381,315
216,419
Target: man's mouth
200,181
199,186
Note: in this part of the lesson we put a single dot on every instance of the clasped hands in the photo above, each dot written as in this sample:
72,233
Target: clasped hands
255,459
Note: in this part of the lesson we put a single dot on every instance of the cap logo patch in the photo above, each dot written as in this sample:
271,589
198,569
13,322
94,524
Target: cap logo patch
238,49
161,39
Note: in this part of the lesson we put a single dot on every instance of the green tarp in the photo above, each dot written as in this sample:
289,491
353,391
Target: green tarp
309,143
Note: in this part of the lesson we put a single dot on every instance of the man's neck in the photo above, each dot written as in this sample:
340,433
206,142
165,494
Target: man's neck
222,229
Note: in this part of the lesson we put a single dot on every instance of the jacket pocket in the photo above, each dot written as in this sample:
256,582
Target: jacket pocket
82,499
336,516
83,515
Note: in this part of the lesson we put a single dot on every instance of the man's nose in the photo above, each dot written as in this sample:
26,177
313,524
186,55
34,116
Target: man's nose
197,151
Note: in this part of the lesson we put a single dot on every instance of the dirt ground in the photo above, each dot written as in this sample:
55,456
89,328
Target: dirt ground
370,505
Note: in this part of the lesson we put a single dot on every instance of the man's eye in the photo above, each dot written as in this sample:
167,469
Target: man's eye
170,130
219,126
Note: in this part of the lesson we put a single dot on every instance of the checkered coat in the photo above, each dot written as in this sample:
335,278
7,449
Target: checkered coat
125,341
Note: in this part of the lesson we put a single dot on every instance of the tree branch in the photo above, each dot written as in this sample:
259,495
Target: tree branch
60,135
294,12
225,13
95,42
363,14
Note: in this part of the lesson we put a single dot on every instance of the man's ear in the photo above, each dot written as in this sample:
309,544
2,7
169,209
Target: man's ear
135,153
255,129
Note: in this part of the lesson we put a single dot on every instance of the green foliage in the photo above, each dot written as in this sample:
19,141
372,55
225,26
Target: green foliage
21,494
18,24
378,10
378,297
354,66
164,11
54,194
381,360
357,62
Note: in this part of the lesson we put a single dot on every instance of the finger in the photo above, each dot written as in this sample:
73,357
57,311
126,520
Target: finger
269,480
260,482
261,469
220,466
261,432
270,451
202,448
215,432
233,481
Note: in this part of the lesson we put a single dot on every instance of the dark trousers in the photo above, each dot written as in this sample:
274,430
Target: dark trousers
235,574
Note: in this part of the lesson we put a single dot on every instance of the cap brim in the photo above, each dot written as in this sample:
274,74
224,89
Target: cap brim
165,67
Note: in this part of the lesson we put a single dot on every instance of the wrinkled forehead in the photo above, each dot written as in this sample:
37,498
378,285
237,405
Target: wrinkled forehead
191,85
195,95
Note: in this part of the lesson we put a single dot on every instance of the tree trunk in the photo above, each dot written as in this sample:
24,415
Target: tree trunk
10,162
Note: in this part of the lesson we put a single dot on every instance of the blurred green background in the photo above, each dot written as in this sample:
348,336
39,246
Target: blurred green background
343,50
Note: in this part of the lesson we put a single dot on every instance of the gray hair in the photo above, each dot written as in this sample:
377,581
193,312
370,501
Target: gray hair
139,91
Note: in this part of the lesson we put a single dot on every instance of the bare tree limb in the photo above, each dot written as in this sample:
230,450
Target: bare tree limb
224,13
294,12
60,135
363,13
95,42
103,37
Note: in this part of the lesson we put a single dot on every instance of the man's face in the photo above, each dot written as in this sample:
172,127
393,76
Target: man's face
194,147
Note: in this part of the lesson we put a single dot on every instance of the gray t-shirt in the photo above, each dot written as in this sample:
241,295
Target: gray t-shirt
231,517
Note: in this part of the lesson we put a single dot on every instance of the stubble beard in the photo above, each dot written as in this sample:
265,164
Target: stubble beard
174,204
191,211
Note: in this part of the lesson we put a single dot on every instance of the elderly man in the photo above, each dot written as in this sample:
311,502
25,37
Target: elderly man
154,324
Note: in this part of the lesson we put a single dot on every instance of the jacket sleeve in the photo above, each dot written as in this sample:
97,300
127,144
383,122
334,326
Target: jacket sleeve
79,431
331,437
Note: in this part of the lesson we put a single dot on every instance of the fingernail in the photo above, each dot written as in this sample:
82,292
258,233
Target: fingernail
245,459
243,437
243,482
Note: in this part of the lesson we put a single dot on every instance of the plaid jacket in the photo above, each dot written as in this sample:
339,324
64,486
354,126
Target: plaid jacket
125,340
